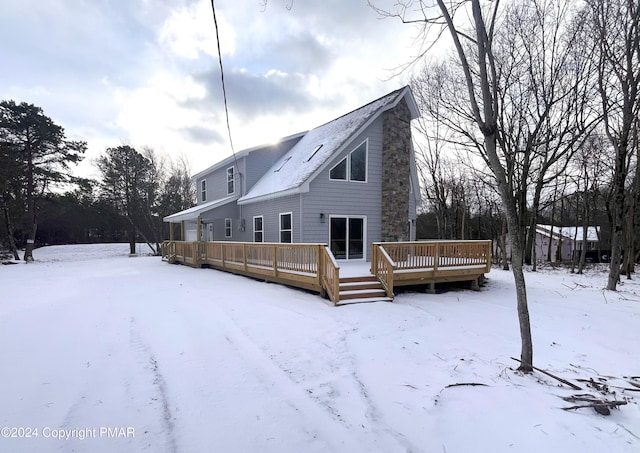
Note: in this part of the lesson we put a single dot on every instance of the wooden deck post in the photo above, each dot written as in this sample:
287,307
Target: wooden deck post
275,260
374,259
244,256
321,270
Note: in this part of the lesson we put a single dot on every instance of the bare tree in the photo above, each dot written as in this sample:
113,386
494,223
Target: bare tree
474,49
616,25
544,85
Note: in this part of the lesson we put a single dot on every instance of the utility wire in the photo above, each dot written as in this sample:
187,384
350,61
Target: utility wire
224,90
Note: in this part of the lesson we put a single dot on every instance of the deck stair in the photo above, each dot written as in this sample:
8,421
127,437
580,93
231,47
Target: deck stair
360,289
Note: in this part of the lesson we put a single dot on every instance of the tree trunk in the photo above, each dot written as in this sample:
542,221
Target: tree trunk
517,252
12,241
550,246
31,209
132,240
503,243
534,257
617,235
585,226
526,354
628,248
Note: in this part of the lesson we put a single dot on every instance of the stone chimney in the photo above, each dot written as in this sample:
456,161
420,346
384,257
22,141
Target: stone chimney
396,173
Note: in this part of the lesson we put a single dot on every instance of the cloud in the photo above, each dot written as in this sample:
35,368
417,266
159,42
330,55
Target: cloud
201,134
251,95
146,71
189,33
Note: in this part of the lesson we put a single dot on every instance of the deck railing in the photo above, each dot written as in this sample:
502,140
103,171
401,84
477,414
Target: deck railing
298,264
435,255
168,250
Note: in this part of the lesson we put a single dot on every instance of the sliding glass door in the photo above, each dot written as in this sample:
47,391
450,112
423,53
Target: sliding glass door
347,237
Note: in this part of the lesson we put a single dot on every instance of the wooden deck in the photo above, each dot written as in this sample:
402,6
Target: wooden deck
313,266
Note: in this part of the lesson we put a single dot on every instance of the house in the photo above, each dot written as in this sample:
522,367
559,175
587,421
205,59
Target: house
347,183
563,243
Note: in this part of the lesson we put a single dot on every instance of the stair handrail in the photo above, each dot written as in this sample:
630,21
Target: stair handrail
330,275
384,268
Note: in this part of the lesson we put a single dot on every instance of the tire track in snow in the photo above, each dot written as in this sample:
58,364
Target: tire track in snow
331,430
373,415
158,382
371,412
385,440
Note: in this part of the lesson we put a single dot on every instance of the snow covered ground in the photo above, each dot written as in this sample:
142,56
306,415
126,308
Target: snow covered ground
102,352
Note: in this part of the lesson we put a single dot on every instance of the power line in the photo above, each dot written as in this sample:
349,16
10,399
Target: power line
224,90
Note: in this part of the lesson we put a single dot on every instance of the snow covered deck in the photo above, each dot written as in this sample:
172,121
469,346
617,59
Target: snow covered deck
313,266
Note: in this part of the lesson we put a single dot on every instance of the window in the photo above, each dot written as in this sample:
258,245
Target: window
228,228
231,181
358,167
286,229
353,167
258,231
339,171
283,164
315,151
203,190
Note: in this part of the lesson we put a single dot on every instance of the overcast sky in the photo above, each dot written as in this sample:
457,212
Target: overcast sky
145,72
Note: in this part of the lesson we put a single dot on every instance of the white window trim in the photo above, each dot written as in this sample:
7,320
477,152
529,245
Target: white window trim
231,180
254,227
228,229
348,159
203,190
346,178
280,230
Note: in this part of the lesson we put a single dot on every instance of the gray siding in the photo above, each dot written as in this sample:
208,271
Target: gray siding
217,216
271,210
249,169
347,198
217,182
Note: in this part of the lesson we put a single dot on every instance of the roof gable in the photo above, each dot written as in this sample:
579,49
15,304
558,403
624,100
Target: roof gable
318,145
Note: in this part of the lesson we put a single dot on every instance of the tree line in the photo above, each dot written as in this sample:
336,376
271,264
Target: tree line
536,100
44,203
563,89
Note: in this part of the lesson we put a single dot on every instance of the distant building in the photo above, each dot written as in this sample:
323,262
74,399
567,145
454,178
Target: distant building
565,242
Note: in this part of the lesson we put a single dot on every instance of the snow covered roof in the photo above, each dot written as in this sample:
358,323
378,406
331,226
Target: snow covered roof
570,232
194,212
316,148
245,152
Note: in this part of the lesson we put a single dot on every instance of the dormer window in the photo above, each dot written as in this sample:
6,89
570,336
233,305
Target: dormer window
231,181
203,190
353,167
